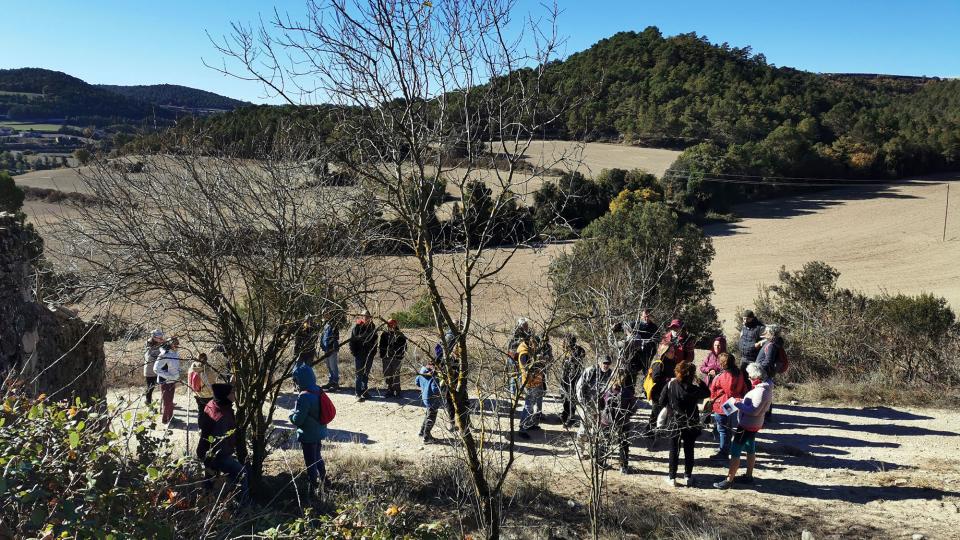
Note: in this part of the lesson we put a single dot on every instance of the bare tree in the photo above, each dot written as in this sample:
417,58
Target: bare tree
436,99
232,252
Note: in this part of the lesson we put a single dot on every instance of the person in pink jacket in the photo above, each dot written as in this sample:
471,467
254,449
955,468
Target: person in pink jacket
711,366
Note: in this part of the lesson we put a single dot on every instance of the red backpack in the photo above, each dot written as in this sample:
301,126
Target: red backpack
783,363
328,411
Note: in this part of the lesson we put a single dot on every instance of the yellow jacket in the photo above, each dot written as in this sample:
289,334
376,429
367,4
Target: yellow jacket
531,372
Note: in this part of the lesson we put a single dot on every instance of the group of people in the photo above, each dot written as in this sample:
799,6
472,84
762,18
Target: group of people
602,398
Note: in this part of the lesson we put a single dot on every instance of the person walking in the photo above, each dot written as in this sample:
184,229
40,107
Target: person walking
752,409
749,343
619,401
363,347
218,438
330,343
533,381
711,364
151,351
430,396
730,383
574,356
167,368
199,381
681,396
310,430
393,347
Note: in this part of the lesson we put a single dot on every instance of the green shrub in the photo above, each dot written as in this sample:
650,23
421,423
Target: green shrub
419,315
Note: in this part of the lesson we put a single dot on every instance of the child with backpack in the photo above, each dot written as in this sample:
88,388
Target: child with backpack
430,396
311,414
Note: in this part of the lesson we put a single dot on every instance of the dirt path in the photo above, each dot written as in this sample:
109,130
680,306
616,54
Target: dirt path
838,471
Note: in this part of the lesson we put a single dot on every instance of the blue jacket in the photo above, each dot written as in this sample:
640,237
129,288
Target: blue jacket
306,413
429,388
330,338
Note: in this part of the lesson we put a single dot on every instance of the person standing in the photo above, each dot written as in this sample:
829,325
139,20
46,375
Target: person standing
618,405
310,431
660,373
533,381
305,342
218,438
770,357
167,368
330,343
641,345
730,383
590,388
711,364
681,396
151,351
363,347
574,356
393,347
752,409
199,382
520,333
430,397
678,337
749,344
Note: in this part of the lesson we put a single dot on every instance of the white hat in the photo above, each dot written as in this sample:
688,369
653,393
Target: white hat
157,333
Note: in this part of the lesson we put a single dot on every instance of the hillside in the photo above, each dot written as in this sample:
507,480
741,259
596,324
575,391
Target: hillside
41,94
173,95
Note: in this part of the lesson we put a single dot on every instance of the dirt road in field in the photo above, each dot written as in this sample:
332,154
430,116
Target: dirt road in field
837,471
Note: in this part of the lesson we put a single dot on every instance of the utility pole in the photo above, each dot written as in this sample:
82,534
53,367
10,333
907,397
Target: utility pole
946,208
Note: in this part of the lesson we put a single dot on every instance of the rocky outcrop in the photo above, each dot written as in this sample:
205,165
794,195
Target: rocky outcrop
51,351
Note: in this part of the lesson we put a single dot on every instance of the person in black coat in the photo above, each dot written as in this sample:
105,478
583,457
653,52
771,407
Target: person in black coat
218,438
393,347
363,347
574,356
681,396
749,343
641,345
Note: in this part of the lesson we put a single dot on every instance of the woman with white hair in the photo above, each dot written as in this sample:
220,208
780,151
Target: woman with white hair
751,409
771,356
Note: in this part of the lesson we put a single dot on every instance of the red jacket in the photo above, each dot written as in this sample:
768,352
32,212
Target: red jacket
726,386
683,346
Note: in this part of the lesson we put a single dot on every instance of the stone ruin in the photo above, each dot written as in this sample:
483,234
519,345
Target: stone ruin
51,350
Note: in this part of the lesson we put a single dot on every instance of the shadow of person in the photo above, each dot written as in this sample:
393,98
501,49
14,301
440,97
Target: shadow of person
847,493
874,413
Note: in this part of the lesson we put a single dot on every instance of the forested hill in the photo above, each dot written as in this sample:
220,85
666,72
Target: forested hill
739,115
173,95
42,94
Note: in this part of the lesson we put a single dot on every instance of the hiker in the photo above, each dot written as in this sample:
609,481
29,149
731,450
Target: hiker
426,381
711,365
572,369
449,373
680,397
305,342
330,343
310,430
661,371
520,333
749,339
167,368
218,438
618,405
199,382
730,383
219,365
771,357
678,337
533,381
752,409
393,347
590,388
363,347
151,351
641,345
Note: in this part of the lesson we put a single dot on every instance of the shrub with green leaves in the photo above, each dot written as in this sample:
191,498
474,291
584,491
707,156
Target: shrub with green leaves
419,315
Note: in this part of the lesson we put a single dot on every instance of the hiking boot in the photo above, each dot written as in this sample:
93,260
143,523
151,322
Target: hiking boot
745,479
671,482
625,469
523,435
361,399
723,484
688,481
720,456
429,440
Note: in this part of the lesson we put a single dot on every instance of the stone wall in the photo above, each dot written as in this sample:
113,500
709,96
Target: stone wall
51,350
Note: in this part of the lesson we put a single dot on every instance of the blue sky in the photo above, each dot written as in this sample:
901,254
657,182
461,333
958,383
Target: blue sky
121,42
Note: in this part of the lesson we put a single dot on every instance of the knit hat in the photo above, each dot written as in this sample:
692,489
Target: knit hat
392,323
221,391
158,333
676,323
748,314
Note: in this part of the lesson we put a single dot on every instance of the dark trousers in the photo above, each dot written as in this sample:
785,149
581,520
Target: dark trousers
391,373
201,403
618,436
151,384
569,408
688,437
429,418
363,364
229,465
316,468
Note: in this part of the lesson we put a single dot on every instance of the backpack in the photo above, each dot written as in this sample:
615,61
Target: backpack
783,362
648,382
328,411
